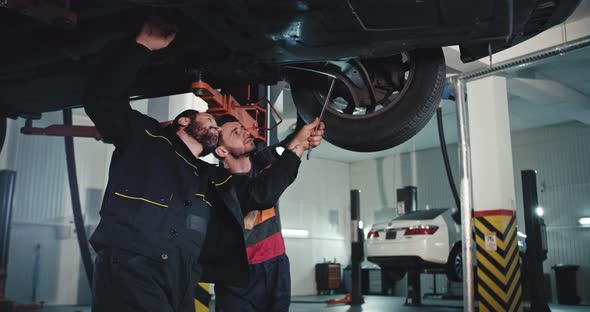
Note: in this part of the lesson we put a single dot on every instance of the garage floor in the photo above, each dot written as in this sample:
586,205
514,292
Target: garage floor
372,304
382,303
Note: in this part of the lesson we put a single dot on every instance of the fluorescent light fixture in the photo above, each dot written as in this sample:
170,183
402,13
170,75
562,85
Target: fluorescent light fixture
521,234
539,211
584,221
295,233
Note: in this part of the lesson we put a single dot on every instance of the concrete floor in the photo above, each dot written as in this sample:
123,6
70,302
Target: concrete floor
383,303
372,304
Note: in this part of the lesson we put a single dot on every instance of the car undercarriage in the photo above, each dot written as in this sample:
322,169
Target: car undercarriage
385,55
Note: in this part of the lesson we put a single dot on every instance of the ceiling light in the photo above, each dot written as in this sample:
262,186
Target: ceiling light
584,221
539,211
295,233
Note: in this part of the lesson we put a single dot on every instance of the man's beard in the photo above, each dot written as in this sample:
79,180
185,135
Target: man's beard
237,155
201,133
246,152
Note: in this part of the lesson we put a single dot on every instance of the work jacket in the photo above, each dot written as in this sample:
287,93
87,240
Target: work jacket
264,240
160,197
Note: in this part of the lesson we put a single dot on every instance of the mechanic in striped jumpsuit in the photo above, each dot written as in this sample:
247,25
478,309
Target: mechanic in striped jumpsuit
270,283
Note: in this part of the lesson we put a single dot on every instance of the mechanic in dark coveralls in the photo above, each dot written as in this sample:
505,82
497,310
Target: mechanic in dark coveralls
161,200
270,281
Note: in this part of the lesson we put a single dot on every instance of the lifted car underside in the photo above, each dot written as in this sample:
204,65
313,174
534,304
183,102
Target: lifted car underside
49,47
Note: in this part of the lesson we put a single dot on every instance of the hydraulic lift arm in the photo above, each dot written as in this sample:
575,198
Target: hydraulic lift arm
253,116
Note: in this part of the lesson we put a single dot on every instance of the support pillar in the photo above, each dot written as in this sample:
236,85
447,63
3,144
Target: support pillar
466,202
496,244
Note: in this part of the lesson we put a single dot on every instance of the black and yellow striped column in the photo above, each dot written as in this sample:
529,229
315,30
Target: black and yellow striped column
498,268
202,297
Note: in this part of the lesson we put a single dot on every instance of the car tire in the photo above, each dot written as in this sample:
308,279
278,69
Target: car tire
455,264
394,123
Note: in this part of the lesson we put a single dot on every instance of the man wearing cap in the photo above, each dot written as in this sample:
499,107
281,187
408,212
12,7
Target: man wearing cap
161,201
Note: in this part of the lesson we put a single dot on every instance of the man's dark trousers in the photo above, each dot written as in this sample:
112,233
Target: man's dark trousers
269,289
125,282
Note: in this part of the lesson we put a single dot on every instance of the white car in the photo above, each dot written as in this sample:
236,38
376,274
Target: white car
423,239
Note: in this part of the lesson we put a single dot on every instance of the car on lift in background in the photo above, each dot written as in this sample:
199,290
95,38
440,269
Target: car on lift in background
422,239
386,55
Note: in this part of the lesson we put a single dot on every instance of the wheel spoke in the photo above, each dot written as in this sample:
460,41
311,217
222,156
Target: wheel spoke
367,81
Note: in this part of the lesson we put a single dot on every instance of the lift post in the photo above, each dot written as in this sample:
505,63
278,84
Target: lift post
407,201
465,195
413,298
357,256
536,242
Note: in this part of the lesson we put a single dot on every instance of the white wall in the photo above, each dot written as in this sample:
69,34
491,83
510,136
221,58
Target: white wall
42,190
318,201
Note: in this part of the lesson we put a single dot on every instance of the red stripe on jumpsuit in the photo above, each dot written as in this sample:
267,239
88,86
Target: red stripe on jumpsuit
268,248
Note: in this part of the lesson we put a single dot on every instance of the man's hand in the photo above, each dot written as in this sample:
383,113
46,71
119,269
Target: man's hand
306,137
153,37
315,139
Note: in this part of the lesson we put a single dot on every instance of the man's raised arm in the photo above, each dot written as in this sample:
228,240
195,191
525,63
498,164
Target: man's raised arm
106,97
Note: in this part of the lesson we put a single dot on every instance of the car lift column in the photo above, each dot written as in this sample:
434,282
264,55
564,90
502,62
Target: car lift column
496,244
536,242
356,249
407,201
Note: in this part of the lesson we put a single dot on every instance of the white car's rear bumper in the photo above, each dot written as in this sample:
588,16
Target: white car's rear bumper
429,248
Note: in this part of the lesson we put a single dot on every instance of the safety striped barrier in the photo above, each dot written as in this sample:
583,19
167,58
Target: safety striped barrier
499,285
202,297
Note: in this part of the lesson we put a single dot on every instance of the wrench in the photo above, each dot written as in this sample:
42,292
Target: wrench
323,111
